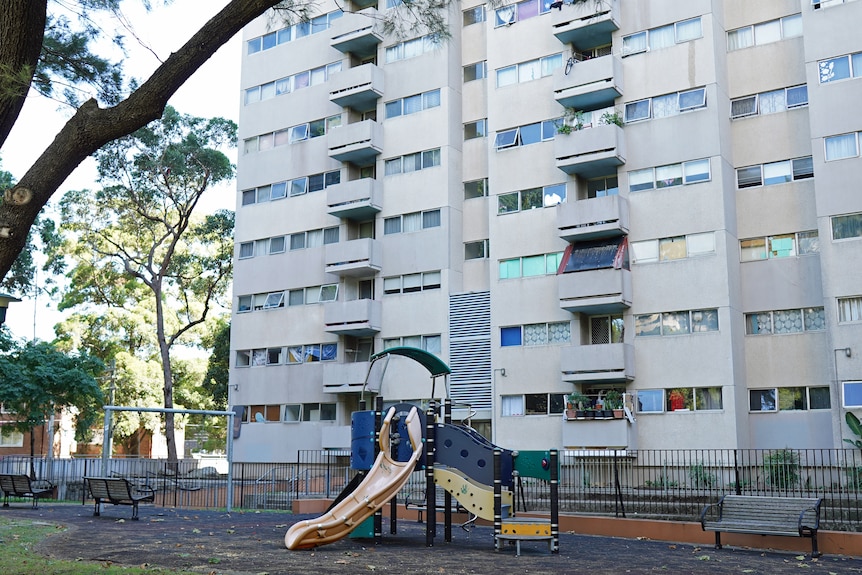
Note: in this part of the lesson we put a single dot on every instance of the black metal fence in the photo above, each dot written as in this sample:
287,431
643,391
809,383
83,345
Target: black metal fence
659,484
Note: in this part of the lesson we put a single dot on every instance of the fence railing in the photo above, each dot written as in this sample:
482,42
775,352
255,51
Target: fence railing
662,484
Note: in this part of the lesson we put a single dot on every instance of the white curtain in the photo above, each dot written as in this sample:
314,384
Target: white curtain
738,39
843,146
772,102
663,106
634,43
661,37
688,30
512,405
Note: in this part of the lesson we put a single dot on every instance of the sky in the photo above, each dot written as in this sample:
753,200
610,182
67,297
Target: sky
213,90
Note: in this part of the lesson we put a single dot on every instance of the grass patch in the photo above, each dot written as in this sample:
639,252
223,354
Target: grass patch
19,537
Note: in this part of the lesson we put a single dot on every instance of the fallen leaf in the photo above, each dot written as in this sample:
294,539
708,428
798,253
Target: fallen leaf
800,557
196,530
703,558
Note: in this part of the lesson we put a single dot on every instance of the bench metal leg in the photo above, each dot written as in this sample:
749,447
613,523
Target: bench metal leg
814,551
718,539
98,509
135,511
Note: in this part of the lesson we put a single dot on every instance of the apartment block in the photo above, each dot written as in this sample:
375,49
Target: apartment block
657,199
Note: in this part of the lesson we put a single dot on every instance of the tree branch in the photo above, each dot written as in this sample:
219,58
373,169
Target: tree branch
92,127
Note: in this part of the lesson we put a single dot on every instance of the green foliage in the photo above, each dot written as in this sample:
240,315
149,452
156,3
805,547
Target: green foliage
613,399
856,427
216,379
37,380
700,477
578,400
854,477
782,469
612,118
663,482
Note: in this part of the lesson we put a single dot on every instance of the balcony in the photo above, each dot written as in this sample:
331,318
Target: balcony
604,363
589,85
590,152
358,88
357,318
357,200
358,33
344,377
606,290
586,24
359,143
600,434
593,218
355,258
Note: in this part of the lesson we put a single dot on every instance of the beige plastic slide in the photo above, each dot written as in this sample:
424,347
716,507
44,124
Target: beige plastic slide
473,496
382,483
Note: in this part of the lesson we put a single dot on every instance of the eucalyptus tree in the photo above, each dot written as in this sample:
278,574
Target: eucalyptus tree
137,243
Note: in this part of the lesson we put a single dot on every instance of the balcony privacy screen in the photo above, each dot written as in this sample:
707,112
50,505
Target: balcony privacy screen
595,255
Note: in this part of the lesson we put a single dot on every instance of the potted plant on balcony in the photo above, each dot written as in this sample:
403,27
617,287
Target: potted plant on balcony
614,402
576,402
572,120
612,118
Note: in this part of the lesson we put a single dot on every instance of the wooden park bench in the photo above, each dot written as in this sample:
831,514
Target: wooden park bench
119,491
20,485
762,515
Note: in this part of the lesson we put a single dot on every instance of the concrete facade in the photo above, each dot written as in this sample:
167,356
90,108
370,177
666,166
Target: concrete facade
654,198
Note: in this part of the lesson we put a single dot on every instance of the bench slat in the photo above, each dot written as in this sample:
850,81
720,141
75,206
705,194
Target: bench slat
764,515
20,485
118,491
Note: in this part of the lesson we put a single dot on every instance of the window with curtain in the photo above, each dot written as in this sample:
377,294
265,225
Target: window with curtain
847,227
412,222
672,248
431,219
849,309
511,405
834,69
767,32
635,43
772,102
640,180
667,176
663,106
661,37
688,30
839,147
741,38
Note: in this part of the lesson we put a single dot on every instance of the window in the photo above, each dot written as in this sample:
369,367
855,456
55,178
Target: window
840,147
430,343
601,187
474,15
847,227
676,323
273,300
412,104
475,129
779,246
674,248
769,102
679,399
318,411
262,413
411,222
788,399
775,173
312,353
511,405
476,189
531,199
666,105
475,71
532,404
11,438
598,254
606,329
852,391
411,48
849,309
508,15
411,283
412,162
476,250
840,68
536,334
764,32
328,292
529,70
546,264
671,175
662,37
525,135
290,83
785,321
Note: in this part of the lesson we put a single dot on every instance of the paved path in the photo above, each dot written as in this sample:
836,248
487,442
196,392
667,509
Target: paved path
247,542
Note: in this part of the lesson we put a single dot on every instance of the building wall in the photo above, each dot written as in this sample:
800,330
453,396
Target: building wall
730,358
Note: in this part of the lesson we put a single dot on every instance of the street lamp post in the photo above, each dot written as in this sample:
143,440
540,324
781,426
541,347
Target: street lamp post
5,300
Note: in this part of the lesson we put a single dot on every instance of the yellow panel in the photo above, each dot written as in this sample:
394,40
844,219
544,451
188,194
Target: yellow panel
476,498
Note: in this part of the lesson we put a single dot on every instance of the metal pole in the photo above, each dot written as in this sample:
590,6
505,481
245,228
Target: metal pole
430,489
447,497
555,501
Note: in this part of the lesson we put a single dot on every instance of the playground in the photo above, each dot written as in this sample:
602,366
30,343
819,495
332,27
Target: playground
243,543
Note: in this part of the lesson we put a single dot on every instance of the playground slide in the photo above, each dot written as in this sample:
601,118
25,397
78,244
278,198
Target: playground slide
381,484
475,497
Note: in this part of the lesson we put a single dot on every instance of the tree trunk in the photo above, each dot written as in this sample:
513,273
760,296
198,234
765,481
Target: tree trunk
91,127
22,29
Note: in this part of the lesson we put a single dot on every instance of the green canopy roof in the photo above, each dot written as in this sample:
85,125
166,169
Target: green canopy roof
429,361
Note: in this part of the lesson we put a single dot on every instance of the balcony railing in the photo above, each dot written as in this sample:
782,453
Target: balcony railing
344,377
591,152
593,218
586,24
595,291
358,88
354,258
358,318
356,200
358,33
359,143
590,84
605,363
